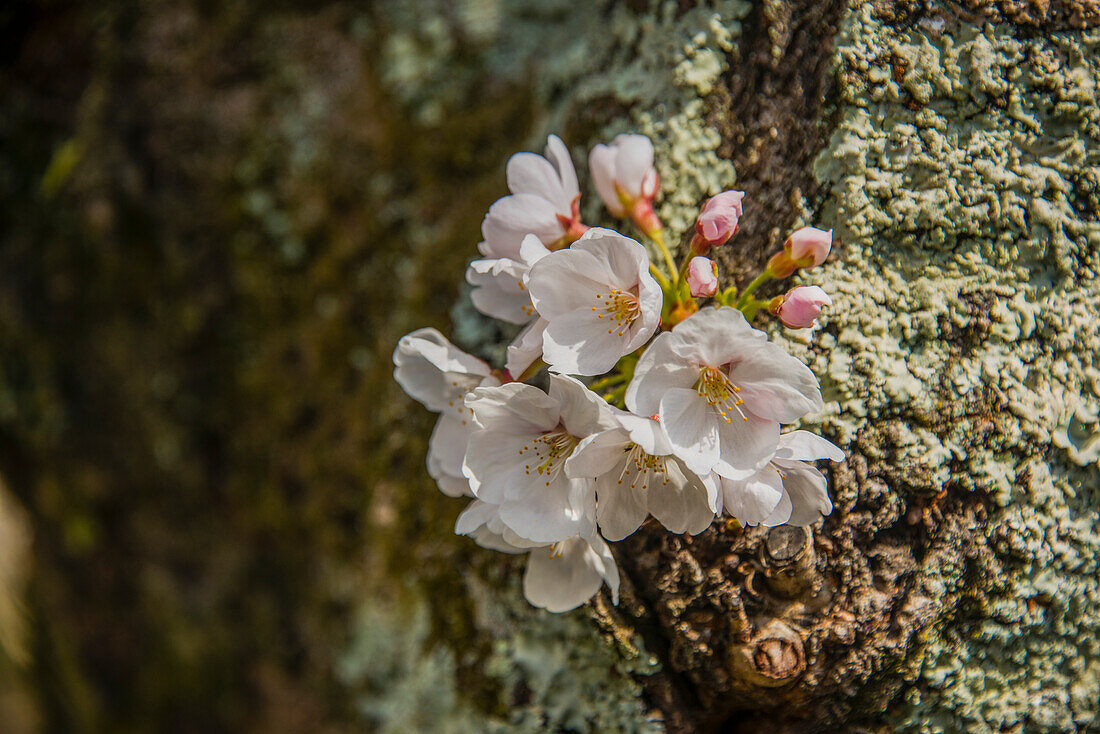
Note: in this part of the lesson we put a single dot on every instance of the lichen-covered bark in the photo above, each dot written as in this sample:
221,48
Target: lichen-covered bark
223,218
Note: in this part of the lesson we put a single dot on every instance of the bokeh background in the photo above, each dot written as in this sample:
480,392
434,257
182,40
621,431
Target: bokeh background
218,218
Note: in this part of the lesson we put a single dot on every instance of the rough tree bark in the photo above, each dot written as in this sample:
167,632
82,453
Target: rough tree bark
954,148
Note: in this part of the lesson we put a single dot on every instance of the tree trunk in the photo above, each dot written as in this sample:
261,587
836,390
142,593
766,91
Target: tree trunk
223,218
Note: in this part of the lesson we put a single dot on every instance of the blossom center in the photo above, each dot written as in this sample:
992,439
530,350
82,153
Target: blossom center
716,387
546,454
642,466
621,308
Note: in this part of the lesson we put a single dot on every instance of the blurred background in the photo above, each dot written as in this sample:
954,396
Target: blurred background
218,218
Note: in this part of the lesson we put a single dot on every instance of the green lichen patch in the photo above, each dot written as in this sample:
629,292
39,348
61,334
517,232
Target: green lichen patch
958,180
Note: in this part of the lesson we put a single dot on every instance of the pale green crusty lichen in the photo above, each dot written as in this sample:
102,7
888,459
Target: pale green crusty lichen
656,66
962,185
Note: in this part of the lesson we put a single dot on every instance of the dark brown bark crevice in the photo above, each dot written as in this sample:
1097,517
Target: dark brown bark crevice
771,110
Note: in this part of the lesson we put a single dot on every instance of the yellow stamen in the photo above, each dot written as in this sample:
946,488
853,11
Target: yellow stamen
718,390
621,307
643,466
547,453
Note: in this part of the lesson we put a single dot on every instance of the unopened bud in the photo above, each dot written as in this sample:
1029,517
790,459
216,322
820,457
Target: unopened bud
717,221
702,277
809,246
801,306
626,180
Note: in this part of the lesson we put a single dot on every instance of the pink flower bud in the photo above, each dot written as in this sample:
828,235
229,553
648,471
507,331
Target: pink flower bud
809,246
702,277
801,306
717,221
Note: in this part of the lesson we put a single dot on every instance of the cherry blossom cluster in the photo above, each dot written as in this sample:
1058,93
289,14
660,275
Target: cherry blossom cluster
661,400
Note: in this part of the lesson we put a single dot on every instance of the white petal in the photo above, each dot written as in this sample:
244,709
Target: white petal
579,344
601,163
714,336
808,491
620,507
477,514
512,218
566,280
599,557
622,258
562,582
633,160
558,154
775,385
745,445
446,452
753,500
492,541
781,514
683,504
650,298
642,328
514,407
433,371
531,250
474,522
532,174
495,467
646,432
499,289
714,493
453,486
595,455
692,431
582,411
807,446
658,371
551,513
525,348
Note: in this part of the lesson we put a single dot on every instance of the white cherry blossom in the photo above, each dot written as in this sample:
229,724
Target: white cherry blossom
559,576
636,475
721,391
623,172
500,284
598,299
544,202
516,455
789,489
437,374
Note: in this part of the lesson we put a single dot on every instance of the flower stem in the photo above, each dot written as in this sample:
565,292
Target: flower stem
725,298
684,267
670,263
659,277
750,308
760,280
